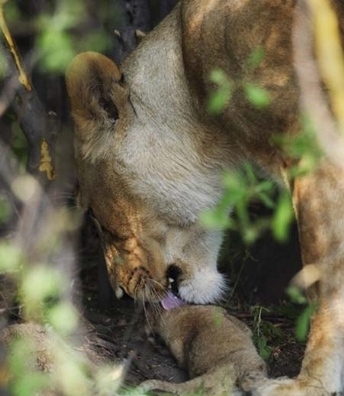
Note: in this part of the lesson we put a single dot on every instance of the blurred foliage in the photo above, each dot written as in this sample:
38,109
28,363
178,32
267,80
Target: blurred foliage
221,96
257,96
241,188
12,12
21,359
225,87
60,30
42,288
303,146
56,45
58,34
49,34
304,319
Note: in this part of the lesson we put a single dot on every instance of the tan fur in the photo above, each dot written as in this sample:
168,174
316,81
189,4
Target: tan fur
227,363
150,158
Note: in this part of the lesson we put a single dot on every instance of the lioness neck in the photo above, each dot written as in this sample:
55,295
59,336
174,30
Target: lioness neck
175,155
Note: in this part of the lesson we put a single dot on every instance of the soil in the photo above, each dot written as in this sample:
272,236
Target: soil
259,277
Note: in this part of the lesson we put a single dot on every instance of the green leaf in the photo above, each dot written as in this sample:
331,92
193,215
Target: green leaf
219,77
250,234
265,186
40,284
56,49
10,257
30,384
95,41
266,199
249,173
256,57
218,100
215,219
282,218
258,96
303,322
221,96
21,360
263,348
235,185
63,318
295,295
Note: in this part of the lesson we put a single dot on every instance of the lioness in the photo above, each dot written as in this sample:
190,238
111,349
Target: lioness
150,158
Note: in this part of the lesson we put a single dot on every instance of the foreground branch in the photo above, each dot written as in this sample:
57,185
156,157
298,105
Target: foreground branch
39,128
23,77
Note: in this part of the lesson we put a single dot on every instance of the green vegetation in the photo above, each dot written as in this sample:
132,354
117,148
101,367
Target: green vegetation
43,288
241,188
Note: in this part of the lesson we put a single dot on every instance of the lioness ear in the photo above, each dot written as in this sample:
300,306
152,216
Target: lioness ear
91,80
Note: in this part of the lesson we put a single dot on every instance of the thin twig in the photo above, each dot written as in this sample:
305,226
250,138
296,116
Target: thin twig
23,77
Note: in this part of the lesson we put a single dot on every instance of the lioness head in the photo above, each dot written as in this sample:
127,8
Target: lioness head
143,191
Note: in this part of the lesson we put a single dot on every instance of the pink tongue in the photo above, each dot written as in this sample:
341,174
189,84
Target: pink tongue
171,301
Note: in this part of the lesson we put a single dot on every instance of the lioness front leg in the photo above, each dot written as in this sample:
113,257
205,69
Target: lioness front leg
318,200
193,252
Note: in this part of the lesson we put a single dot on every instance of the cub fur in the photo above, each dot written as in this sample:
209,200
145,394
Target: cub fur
214,347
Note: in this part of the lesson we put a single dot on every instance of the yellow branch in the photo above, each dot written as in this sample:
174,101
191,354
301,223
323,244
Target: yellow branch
23,78
330,54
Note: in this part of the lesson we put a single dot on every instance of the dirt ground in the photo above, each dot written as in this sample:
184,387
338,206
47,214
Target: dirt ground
258,275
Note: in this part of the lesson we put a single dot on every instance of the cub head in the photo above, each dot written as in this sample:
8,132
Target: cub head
130,190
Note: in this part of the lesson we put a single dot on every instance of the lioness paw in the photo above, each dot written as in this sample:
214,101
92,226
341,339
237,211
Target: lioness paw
206,286
293,387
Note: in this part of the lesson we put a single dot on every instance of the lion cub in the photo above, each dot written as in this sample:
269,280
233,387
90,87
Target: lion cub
214,347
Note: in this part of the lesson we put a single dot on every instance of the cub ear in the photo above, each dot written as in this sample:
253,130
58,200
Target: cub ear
91,81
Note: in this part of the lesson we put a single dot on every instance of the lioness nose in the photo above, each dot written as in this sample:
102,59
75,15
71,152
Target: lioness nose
173,274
